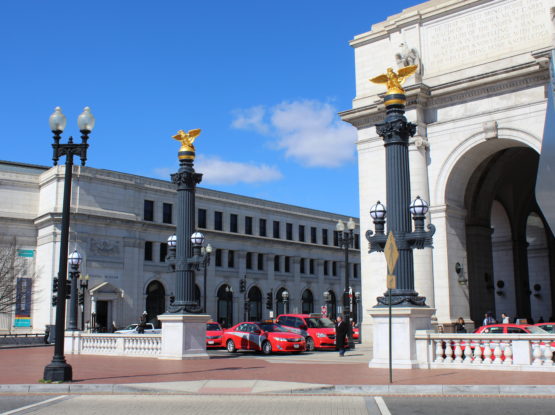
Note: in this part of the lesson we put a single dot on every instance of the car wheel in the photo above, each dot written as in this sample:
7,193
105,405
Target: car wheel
310,344
267,348
231,346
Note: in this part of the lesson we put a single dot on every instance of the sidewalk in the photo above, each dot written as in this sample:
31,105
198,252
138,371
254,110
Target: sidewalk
246,373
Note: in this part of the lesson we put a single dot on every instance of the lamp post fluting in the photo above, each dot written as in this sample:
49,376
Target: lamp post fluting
345,239
396,131
58,369
74,260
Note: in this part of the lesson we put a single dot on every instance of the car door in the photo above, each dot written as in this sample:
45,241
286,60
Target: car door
255,337
242,335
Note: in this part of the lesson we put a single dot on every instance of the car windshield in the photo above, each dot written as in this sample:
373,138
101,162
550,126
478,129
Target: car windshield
536,330
272,327
547,327
320,323
131,327
213,326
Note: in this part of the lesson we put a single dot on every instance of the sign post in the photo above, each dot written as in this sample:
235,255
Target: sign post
391,256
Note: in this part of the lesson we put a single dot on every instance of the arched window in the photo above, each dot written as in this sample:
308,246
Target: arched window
225,306
155,301
255,304
307,305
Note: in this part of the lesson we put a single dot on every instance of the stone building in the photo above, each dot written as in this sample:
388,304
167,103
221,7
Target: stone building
120,224
479,102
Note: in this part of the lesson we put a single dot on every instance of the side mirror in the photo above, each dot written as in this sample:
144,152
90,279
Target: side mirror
303,327
257,332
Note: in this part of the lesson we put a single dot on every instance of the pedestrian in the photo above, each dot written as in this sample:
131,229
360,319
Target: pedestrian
341,329
459,326
488,319
142,324
505,318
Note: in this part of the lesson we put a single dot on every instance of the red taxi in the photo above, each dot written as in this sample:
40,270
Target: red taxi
265,337
319,331
549,327
509,329
214,335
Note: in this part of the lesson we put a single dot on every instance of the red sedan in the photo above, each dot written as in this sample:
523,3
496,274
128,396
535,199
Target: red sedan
509,329
549,327
214,335
265,337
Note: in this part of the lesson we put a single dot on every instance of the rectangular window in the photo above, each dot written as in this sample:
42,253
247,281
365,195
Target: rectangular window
163,251
218,257
249,260
233,223
149,210
201,222
311,267
326,266
261,262
301,233
335,238
276,263
302,266
262,227
230,259
334,269
167,212
148,251
287,264
324,236
289,231
313,238
248,225
357,241
355,270
218,221
276,229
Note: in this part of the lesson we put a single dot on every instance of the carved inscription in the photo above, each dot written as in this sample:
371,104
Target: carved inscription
500,29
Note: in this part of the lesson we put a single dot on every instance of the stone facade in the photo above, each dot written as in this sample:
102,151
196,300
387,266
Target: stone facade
122,238
479,102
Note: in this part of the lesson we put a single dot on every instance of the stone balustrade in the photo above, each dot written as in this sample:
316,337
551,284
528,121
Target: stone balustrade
136,345
529,352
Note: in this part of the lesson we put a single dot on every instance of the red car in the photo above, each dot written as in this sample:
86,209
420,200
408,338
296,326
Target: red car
265,337
214,335
509,329
549,327
319,331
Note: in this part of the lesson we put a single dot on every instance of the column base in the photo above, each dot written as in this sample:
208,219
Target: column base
58,371
404,323
183,336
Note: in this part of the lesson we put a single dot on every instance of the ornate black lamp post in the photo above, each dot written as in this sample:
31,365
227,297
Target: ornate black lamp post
59,370
395,132
285,297
206,252
83,285
345,240
74,260
327,300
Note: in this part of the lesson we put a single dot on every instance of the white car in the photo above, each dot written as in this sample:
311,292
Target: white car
132,329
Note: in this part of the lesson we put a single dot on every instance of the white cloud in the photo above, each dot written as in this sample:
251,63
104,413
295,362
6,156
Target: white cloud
309,131
217,171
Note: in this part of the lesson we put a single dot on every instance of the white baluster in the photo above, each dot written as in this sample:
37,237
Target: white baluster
547,354
536,353
477,353
497,353
439,351
467,353
448,352
487,352
508,353
458,352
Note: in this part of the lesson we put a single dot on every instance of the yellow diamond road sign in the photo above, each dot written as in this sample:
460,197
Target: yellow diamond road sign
391,253
391,283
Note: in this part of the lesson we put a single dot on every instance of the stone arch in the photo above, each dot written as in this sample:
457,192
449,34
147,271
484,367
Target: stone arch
254,297
225,305
155,300
307,301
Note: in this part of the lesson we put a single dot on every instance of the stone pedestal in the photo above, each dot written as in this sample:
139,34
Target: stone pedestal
183,336
405,322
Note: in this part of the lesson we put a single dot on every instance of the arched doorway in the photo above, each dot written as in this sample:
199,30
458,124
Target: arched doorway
281,307
332,306
307,302
225,306
155,301
254,298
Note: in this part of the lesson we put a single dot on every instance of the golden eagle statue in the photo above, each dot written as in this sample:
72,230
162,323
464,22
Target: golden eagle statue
187,139
394,81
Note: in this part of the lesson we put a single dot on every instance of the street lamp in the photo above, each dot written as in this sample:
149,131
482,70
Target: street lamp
345,239
59,369
206,252
74,260
84,285
327,300
285,297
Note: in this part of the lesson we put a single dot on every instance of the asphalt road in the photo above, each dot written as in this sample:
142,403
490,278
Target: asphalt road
269,405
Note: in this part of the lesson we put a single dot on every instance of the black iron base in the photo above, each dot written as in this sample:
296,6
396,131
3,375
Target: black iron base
184,309
58,371
402,298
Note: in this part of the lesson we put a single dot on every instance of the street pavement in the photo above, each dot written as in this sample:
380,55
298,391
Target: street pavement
249,373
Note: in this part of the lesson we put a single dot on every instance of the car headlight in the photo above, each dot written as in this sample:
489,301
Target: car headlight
280,339
213,337
321,335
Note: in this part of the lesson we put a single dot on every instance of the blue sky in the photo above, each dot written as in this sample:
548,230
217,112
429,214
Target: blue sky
263,80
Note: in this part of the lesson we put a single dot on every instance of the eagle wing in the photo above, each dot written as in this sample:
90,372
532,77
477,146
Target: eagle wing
178,136
405,72
381,79
194,133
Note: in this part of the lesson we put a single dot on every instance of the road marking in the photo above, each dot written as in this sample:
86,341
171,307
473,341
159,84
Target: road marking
23,408
382,406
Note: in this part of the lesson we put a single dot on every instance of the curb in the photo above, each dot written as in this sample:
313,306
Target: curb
378,390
